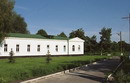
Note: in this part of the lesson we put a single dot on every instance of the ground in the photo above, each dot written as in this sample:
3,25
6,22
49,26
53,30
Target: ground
94,73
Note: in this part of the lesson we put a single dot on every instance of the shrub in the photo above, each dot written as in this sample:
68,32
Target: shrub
121,77
11,57
48,59
2,80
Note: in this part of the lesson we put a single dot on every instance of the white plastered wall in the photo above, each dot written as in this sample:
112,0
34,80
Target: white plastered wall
23,42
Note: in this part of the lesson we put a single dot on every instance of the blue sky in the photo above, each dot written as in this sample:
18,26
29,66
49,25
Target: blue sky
57,16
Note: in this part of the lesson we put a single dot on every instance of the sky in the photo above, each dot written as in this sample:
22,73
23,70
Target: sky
56,16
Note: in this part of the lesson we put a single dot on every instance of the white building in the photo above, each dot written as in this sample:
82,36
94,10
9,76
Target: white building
36,45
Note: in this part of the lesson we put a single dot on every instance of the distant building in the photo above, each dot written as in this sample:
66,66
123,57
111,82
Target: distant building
36,45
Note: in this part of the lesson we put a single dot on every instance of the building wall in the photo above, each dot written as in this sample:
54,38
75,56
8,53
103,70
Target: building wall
23,42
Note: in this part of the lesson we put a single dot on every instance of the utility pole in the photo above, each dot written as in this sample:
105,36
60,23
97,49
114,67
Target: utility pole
129,25
120,42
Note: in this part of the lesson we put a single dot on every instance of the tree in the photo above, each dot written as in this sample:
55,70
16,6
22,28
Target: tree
91,44
10,21
42,32
114,46
105,39
18,24
62,34
77,33
124,46
6,8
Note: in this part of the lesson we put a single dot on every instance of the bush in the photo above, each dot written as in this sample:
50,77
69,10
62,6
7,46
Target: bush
11,57
2,80
121,77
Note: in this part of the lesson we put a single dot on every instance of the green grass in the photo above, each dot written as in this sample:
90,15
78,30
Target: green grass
25,68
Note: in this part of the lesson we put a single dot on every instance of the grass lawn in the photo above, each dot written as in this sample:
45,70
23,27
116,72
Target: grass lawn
32,67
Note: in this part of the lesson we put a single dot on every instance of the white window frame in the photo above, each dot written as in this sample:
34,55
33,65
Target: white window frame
48,47
64,47
73,48
17,47
38,48
79,47
56,48
28,48
6,48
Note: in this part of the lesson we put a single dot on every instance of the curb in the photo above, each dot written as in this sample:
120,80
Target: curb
43,77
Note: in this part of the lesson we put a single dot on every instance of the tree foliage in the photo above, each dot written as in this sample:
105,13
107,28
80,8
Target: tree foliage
105,35
42,32
115,46
6,10
77,33
62,34
18,24
105,42
91,44
10,21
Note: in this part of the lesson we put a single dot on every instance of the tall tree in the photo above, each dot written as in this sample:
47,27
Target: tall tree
91,44
62,34
77,33
9,20
18,24
94,43
114,46
105,39
6,9
42,32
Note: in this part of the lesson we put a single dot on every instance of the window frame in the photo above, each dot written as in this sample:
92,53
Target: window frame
28,48
73,48
17,47
64,47
56,48
79,47
6,48
48,47
38,48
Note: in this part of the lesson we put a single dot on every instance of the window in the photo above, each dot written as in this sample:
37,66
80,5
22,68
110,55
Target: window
73,48
79,47
28,48
38,48
48,46
17,48
5,47
64,48
57,48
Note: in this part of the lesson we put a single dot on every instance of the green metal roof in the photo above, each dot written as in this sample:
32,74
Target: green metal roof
60,38
20,35
25,35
